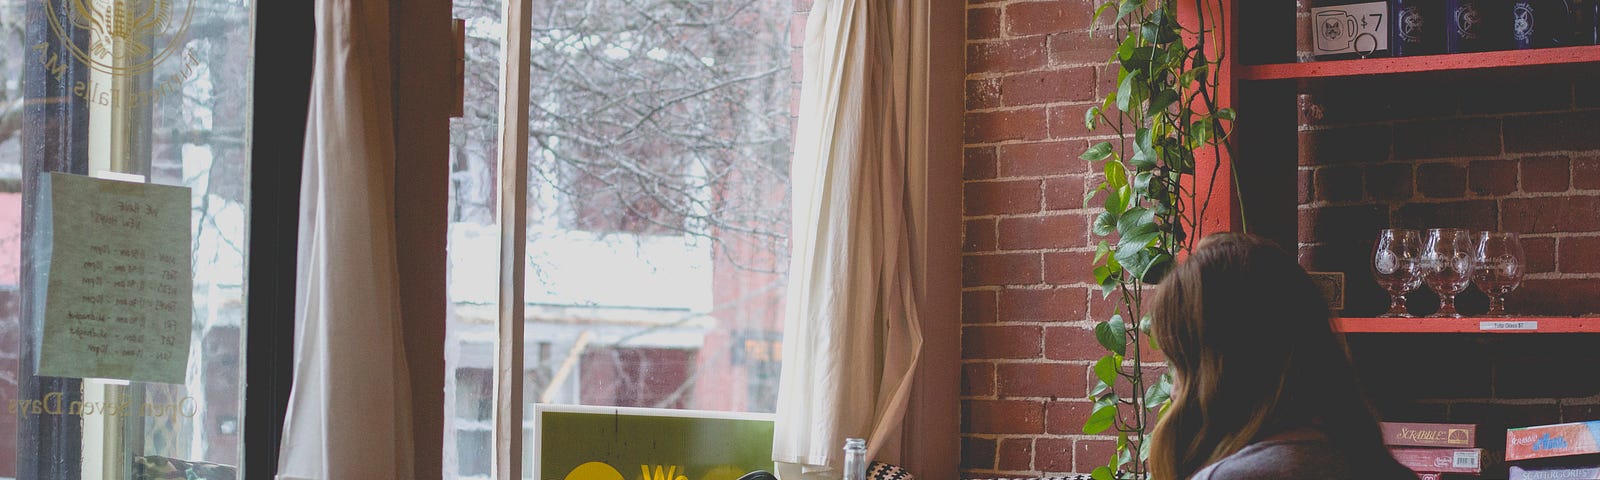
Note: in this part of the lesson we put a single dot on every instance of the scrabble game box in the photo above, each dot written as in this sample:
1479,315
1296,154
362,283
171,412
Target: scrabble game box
1448,435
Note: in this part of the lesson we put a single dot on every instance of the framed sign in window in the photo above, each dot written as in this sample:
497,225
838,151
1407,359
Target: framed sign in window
612,443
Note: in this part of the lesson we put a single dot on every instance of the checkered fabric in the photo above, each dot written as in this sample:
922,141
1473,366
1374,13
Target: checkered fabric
884,471
1073,477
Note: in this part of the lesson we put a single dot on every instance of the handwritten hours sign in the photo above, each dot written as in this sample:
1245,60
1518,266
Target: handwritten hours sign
115,261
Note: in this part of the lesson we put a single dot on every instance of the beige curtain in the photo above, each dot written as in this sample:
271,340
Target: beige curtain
852,334
349,410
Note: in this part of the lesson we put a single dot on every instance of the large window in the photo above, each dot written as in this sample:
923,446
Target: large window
657,214
156,91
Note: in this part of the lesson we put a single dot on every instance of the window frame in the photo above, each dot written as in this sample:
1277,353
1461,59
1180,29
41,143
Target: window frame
930,447
281,96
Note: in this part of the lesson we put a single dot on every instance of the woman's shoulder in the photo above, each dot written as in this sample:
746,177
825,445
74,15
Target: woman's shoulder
1275,459
1300,458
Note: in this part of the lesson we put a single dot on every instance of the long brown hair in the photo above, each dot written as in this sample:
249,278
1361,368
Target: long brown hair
1247,336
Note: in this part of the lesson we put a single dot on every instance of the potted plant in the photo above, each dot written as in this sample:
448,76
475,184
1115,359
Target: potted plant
1164,111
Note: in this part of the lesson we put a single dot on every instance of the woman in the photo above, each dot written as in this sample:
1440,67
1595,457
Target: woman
1263,388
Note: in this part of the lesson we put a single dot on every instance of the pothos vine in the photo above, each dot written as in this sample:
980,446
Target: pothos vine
1165,110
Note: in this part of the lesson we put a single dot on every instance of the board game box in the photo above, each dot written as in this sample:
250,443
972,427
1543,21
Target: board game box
1585,472
1440,460
1546,441
1450,435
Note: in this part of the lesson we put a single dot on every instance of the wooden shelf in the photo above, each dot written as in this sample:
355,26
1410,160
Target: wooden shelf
1420,64
1469,325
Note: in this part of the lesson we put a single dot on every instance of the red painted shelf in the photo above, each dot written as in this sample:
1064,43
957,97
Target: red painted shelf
1427,63
1469,325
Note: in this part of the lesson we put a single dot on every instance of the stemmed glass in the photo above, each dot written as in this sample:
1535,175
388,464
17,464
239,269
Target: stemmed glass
1447,266
1498,268
1396,268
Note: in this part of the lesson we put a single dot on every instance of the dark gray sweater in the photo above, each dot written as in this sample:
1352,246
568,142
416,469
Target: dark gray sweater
1300,459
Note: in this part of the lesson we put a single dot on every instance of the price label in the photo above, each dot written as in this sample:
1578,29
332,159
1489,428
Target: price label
1501,326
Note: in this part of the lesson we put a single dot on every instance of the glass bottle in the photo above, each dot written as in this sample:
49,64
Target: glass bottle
855,459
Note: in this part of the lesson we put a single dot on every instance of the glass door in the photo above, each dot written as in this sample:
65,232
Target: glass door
124,195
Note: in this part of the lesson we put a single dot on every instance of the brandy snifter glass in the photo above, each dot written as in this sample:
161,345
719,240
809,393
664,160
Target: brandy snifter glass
1396,265
1447,266
1498,267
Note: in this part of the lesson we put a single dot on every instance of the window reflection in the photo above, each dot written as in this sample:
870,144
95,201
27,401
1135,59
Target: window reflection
172,106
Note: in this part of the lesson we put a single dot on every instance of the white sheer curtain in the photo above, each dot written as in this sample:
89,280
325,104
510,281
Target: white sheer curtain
349,411
852,334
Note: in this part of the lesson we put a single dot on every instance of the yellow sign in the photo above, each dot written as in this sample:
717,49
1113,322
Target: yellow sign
612,443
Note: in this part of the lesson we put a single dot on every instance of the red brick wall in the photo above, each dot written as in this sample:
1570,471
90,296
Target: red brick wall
1516,152
1026,338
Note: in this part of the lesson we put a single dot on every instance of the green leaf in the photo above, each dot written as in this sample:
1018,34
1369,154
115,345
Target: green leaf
1100,420
1184,163
1097,12
1199,132
1156,188
1090,116
1134,232
1107,276
1109,283
1100,151
1143,155
1163,99
1108,338
1109,399
1141,183
1099,388
1116,175
1160,263
1135,218
1189,76
1142,60
1117,200
1226,114
1139,263
1160,28
1178,158
1102,473
1124,50
1119,327
1106,368
1104,224
1144,324
1125,93
1089,194
1127,7
1131,246
1100,251
1159,392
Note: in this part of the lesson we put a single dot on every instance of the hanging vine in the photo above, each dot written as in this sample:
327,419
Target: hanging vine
1165,110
